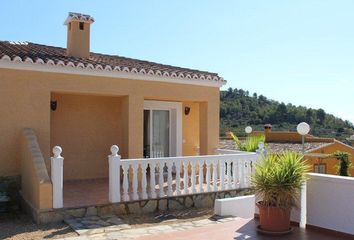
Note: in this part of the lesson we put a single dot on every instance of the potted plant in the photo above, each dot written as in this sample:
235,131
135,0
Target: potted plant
277,181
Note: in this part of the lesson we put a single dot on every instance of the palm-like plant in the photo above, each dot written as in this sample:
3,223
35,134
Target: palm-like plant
251,143
278,178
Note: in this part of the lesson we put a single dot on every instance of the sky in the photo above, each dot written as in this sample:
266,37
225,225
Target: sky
299,52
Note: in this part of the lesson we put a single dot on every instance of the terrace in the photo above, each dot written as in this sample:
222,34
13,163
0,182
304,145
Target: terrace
182,183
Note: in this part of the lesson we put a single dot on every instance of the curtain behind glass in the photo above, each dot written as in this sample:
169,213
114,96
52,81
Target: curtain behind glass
160,133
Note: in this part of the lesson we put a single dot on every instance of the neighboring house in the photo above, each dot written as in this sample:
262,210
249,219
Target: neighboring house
322,160
318,150
85,102
287,136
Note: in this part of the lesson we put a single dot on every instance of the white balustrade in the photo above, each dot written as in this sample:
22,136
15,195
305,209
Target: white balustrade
175,176
57,162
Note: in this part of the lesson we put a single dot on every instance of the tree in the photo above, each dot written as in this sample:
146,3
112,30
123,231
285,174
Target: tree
281,113
344,165
321,115
239,108
309,116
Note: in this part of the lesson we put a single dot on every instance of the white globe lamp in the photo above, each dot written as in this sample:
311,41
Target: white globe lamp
248,129
303,128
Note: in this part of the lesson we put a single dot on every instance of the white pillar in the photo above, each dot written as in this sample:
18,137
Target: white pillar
303,207
114,175
56,163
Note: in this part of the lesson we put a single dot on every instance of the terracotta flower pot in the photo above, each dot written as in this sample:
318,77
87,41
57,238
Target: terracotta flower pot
273,219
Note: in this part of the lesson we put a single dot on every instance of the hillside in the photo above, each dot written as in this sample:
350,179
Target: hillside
239,109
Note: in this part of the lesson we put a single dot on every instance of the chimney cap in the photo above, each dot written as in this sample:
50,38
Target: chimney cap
78,17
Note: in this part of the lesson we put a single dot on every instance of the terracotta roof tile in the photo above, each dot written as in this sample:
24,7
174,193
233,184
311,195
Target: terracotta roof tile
34,52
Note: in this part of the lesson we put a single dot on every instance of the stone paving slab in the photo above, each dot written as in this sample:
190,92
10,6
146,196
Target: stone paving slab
123,231
96,224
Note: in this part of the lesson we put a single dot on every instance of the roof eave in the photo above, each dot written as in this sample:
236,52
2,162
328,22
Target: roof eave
80,69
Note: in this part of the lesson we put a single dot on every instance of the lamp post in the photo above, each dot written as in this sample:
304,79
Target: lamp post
303,129
248,129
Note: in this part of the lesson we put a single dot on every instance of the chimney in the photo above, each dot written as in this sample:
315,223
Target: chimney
267,128
78,39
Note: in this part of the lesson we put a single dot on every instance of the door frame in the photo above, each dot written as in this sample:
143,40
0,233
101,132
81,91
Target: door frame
175,109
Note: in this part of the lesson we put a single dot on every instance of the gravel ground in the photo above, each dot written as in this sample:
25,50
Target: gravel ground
20,226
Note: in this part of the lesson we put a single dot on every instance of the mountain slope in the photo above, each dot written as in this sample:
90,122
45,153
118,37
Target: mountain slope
238,109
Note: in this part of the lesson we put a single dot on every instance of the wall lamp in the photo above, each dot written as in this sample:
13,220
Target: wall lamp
187,110
53,105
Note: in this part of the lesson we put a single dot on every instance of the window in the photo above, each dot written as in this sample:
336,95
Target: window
69,26
81,25
320,168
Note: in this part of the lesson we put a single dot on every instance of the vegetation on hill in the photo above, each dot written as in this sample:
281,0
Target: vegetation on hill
239,109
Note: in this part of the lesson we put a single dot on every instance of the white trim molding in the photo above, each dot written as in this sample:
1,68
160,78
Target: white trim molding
109,71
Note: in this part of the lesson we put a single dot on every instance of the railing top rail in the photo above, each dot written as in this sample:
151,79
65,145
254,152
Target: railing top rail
243,155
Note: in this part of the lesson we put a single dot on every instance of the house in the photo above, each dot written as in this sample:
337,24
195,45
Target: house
86,102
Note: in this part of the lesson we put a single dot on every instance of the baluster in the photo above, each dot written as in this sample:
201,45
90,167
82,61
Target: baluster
215,180
125,182
161,180
242,175
249,172
235,173
222,174
152,180
169,165
201,175
178,177
143,166
207,177
185,177
135,180
228,174
193,178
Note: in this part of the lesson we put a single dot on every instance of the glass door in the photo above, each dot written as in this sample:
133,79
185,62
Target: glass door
156,133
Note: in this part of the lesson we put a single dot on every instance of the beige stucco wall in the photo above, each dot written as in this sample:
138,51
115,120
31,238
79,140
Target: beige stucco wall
85,126
25,102
190,123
